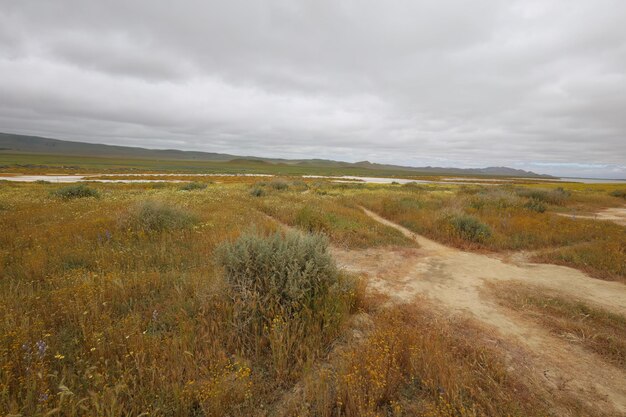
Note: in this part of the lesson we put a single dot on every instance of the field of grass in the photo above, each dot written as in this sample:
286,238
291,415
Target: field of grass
174,300
512,218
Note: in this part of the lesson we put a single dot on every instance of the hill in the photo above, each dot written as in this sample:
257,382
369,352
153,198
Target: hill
35,145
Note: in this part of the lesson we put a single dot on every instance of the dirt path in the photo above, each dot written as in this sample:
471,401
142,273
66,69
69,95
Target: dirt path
614,214
455,278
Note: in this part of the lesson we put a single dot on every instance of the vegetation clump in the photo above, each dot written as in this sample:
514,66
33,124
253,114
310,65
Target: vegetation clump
192,186
535,205
75,191
556,196
619,193
257,192
155,216
279,185
288,294
470,228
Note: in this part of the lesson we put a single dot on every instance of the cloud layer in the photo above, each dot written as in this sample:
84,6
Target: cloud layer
531,84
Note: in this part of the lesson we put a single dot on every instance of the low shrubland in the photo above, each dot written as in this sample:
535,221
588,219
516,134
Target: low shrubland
506,218
555,196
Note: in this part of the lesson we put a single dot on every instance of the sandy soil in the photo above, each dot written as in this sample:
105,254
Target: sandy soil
455,279
614,214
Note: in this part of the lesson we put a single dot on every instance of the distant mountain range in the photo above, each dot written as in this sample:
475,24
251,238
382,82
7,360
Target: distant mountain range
13,143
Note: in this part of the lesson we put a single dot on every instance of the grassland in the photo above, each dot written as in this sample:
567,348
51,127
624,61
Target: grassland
512,218
118,299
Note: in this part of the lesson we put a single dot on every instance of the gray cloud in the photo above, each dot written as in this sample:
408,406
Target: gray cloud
533,84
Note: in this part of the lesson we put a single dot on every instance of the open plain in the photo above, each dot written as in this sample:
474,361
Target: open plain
447,299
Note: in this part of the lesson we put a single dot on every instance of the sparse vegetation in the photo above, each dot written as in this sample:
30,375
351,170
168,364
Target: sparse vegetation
71,192
470,228
618,193
415,362
279,184
257,192
194,185
555,196
535,205
594,328
514,219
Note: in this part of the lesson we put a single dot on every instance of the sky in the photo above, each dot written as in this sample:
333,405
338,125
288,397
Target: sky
538,85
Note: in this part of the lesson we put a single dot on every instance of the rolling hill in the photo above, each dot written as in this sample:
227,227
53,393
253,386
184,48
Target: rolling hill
35,145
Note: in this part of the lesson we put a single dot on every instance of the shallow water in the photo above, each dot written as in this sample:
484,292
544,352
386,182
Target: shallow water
346,178
94,177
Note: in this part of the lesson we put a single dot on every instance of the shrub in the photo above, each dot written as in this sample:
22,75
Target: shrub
556,196
75,191
300,185
470,228
279,184
154,216
288,295
257,192
191,186
619,193
535,205
285,274
415,186
312,220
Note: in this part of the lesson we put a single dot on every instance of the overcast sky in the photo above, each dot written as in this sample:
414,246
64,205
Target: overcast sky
537,85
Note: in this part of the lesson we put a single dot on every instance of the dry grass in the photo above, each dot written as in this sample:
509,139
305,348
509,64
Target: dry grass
415,362
507,218
594,328
101,320
116,305
344,224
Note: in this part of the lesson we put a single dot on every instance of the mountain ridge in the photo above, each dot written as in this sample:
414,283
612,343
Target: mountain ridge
10,142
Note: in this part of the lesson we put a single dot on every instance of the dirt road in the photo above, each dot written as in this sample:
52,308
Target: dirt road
455,279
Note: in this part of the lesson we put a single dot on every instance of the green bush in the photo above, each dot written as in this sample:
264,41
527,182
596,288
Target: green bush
191,186
279,184
619,193
285,285
312,220
556,196
154,216
75,191
300,185
535,205
257,192
470,228
285,274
